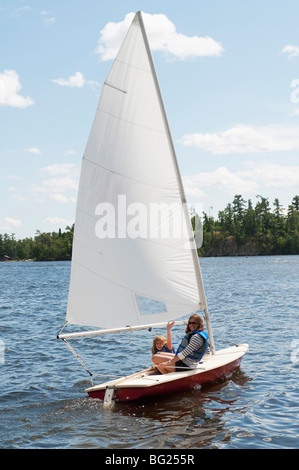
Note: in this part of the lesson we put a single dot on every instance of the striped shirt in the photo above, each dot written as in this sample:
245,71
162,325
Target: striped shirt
195,343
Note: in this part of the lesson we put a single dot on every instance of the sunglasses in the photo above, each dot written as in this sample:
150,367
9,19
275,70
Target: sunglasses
192,323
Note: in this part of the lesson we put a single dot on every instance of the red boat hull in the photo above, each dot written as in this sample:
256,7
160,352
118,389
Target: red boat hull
175,386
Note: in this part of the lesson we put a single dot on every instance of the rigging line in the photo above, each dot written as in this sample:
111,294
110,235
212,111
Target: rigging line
78,357
63,326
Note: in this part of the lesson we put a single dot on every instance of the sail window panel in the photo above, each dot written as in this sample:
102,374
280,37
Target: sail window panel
149,306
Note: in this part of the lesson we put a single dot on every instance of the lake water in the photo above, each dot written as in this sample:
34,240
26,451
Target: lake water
42,401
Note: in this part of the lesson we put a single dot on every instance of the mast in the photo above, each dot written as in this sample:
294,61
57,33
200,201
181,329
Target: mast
202,296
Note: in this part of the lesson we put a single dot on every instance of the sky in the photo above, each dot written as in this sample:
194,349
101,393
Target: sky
229,76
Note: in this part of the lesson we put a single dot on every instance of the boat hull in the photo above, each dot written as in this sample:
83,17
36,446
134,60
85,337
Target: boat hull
144,385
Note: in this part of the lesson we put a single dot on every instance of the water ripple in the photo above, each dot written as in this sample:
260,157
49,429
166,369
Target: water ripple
43,404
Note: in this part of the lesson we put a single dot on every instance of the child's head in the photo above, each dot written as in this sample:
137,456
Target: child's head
158,343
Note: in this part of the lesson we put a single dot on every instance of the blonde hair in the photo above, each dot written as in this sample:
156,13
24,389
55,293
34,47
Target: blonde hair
158,338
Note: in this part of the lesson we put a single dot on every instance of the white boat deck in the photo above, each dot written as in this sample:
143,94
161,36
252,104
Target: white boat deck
149,378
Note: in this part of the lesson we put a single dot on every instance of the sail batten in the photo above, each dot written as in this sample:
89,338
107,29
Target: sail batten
116,88
133,235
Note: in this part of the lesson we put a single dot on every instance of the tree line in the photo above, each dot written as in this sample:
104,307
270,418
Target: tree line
54,246
241,228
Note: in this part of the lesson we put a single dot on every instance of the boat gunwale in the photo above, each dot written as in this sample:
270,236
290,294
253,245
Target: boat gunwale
144,379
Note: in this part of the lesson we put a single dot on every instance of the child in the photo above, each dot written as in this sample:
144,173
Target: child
160,344
162,349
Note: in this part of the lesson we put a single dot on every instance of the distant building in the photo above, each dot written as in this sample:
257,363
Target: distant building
5,258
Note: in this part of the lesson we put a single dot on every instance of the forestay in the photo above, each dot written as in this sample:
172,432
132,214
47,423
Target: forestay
132,230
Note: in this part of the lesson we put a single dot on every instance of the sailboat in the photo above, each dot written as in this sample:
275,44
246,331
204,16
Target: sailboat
134,262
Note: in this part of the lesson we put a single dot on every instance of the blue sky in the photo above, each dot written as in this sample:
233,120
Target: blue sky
229,75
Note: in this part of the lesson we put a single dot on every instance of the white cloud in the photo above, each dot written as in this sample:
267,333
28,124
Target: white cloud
221,178
13,222
47,18
73,81
57,221
34,150
255,178
192,186
57,185
272,175
9,223
14,177
50,20
246,139
60,198
77,81
18,197
162,36
59,168
9,91
63,179
291,50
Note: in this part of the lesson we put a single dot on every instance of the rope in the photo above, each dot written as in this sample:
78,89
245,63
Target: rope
79,358
63,326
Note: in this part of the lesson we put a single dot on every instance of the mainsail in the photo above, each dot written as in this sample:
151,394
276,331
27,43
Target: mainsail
132,230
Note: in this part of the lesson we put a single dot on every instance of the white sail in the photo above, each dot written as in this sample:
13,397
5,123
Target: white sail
129,175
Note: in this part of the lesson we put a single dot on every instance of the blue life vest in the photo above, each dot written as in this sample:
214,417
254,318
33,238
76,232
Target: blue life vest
164,349
197,354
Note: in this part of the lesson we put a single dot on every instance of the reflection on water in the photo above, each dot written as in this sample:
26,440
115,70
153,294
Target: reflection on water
194,419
